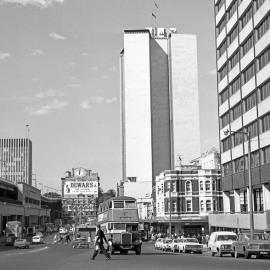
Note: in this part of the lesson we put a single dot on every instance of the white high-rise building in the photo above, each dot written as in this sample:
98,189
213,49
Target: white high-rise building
159,106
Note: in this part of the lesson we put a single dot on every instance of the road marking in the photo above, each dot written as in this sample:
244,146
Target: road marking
25,252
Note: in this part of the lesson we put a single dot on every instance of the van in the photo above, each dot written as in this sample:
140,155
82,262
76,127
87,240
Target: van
221,243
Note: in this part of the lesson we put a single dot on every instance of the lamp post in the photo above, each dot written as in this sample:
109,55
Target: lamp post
251,215
170,205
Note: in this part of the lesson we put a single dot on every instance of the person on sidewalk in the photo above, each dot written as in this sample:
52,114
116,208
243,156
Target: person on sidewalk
99,244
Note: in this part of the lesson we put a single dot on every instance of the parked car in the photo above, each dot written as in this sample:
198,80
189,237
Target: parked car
220,243
21,243
80,243
244,246
188,245
165,245
37,239
174,245
158,243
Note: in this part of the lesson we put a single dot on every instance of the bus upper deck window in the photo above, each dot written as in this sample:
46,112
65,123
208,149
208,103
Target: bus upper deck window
130,204
118,204
110,205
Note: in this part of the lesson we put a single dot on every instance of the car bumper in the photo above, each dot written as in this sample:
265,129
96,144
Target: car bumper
259,252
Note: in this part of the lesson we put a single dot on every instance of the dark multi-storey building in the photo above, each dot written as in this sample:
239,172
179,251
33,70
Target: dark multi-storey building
243,82
16,160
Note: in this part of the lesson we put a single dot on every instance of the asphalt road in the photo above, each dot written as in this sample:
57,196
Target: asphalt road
64,257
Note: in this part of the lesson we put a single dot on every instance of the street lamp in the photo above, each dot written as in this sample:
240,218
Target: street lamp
251,217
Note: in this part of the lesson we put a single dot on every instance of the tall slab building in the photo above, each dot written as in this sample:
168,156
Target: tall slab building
159,101
16,160
243,65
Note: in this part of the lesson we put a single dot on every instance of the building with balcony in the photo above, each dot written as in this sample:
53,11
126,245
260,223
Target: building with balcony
243,82
185,197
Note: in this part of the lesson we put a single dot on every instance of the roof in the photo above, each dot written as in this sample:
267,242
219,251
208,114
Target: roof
122,198
224,232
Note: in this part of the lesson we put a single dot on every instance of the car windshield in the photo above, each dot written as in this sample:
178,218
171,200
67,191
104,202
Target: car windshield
257,236
226,237
19,240
191,240
168,241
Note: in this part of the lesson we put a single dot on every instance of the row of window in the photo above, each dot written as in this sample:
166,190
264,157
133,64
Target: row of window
248,43
31,201
240,164
253,129
248,103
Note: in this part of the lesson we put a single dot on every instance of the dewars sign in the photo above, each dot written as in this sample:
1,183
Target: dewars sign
81,187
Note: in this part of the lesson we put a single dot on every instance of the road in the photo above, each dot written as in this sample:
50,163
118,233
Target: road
64,257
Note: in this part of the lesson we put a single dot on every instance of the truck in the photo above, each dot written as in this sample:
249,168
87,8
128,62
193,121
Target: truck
13,231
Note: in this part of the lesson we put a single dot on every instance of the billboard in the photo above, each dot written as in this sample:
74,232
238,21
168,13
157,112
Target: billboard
81,187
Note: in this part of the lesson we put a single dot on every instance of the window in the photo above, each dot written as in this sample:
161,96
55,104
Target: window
188,186
247,45
130,205
173,186
207,185
246,17
236,111
264,59
258,199
238,138
263,28
252,129
250,101
118,204
225,119
248,73
201,185
264,91
221,49
232,35
227,169
266,155
226,144
221,25
243,201
222,73
255,159
232,10
213,184
223,96
238,164
219,5
265,123
208,205
174,206
202,206
258,4
189,206
234,60
214,205
235,85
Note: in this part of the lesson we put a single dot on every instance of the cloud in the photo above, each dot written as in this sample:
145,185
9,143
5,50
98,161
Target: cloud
50,93
37,3
85,54
86,105
94,68
73,85
35,52
111,100
54,105
212,72
104,77
97,99
4,55
56,36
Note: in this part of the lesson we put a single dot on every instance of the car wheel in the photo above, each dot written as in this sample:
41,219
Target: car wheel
200,252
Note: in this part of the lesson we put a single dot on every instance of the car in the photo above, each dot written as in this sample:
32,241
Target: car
165,245
220,243
158,243
80,243
245,246
174,245
21,243
188,245
62,230
37,239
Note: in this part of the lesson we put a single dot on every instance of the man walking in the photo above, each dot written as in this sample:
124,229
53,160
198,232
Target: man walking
98,245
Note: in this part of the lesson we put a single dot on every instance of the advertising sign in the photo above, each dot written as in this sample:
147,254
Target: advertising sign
81,187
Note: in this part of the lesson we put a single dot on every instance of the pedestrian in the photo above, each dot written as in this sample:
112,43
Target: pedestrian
68,238
99,244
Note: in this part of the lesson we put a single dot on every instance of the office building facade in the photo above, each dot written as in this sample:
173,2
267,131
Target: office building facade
159,101
243,78
16,160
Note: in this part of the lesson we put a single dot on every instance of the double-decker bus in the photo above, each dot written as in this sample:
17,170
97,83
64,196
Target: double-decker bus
119,220
13,231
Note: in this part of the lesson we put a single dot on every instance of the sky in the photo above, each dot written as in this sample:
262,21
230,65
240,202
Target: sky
59,74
